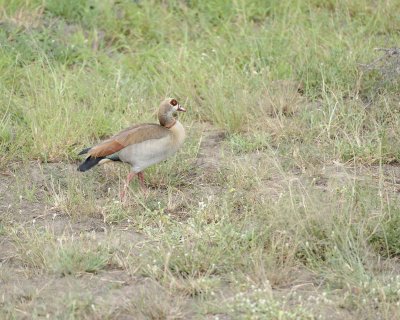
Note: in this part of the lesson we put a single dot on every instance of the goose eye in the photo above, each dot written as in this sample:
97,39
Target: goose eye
174,102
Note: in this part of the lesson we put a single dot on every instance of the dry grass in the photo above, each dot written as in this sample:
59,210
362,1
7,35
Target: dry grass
283,202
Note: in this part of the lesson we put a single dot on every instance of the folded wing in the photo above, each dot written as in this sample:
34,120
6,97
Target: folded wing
129,136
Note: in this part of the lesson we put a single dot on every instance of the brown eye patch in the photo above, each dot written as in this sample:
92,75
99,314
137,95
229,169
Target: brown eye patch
174,102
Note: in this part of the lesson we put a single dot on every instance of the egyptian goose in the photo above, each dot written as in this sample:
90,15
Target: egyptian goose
141,145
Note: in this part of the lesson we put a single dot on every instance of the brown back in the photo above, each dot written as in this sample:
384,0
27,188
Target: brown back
129,136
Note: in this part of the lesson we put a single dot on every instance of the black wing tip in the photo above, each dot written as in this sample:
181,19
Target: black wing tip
89,163
84,151
82,167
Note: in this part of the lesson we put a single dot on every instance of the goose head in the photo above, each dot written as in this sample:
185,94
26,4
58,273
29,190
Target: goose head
167,111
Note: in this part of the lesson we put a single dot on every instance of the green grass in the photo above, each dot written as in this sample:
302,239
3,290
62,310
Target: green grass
288,179
41,250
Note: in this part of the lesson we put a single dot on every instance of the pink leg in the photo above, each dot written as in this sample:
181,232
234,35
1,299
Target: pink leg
126,185
141,180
